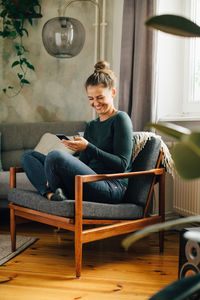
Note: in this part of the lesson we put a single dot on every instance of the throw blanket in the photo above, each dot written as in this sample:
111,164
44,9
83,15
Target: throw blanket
140,140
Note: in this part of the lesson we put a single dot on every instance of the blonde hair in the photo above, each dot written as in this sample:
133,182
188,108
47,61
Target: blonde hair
102,75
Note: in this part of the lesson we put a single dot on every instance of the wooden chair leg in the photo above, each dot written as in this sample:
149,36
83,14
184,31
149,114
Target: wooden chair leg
162,209
13,229
78,256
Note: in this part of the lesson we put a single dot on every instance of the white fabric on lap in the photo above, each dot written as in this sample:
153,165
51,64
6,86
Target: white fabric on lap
50,142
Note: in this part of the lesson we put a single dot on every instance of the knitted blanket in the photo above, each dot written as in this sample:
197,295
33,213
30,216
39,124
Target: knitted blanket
140,140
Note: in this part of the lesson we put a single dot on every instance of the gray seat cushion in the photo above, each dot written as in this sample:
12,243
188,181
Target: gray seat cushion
138,187
91,210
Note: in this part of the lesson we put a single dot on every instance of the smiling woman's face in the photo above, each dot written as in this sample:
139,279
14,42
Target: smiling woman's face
101,99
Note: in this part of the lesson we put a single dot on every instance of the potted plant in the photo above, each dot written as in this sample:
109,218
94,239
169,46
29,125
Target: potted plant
186,155
13,16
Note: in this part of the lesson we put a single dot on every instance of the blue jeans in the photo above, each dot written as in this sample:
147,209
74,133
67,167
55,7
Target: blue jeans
59,169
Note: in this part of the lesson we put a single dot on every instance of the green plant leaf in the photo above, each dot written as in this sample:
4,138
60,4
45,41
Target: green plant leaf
174,24
129,240
24,49
186,156
180,289
4,13
6,34
13,26
26,31
169,129
194,137
15,63
8,22
186,153
20,76
30,66
30,21
19,53
12,33
24,81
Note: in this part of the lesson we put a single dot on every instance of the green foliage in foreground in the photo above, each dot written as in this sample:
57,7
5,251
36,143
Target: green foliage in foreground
186,150
174,24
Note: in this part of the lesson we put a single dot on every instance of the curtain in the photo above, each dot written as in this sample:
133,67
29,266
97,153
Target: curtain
136,68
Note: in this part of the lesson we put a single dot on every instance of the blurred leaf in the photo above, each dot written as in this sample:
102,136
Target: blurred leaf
128,241
187,160
180,289
174,24
194,137
4,91
170,129
186,153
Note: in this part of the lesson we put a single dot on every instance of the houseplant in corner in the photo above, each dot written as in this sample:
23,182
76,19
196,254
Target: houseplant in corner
186,155
13,17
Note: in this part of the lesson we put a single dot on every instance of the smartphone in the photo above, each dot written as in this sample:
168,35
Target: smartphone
62,137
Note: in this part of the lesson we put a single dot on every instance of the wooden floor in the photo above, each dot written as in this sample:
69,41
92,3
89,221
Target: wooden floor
45,271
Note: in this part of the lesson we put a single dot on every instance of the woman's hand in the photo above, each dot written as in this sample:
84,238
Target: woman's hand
78,144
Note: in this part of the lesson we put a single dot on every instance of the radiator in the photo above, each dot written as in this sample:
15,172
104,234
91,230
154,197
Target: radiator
186,196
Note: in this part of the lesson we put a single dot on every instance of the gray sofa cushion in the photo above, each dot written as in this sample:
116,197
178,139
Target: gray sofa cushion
92,210
138,187
22,183
16,138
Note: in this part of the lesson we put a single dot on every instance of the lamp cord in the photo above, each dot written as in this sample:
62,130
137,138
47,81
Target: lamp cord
72,1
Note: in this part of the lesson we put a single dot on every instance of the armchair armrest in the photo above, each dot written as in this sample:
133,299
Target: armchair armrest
13,171
99,177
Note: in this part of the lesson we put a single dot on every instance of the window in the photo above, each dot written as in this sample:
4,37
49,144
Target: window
178,67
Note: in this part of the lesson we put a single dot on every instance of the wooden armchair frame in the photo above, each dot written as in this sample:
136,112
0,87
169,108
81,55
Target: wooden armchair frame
111,228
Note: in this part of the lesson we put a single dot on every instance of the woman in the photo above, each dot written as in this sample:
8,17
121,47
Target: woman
105,148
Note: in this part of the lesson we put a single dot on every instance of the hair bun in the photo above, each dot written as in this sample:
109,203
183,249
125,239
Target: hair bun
102,65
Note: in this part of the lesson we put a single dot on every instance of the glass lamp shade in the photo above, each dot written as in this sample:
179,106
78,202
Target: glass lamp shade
63,37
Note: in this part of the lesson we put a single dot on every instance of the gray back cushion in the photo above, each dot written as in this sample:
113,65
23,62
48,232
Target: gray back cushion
16,138
138,187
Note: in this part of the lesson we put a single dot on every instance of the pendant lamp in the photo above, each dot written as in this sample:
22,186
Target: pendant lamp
64,37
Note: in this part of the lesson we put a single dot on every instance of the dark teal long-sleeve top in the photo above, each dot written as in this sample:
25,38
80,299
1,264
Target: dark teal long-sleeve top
110,145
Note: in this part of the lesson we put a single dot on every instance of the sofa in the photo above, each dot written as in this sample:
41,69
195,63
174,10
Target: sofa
16,138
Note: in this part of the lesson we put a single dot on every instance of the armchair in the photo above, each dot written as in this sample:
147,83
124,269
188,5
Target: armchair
113,219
